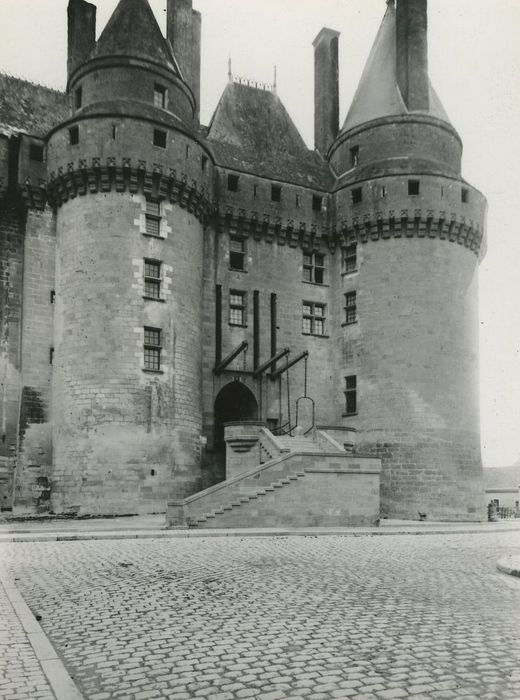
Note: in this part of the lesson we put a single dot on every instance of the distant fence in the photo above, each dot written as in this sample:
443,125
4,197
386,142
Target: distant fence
502,513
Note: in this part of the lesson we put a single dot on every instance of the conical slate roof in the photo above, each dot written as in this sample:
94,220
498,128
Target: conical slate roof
133,31
378,93
251,130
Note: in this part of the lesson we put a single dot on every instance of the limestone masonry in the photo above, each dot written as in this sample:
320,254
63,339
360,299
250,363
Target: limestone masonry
160,279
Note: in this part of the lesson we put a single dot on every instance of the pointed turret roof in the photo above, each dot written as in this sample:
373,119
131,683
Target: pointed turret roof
133,31
251,130
378,94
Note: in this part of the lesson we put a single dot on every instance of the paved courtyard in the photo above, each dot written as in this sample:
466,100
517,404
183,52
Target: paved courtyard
368,618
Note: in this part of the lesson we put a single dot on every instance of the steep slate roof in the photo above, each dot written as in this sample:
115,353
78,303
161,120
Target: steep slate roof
378,94
30,108
252,131
132,30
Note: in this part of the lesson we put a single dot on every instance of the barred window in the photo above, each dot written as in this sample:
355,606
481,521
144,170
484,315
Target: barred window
153,217
314,268
350,395
237,253
350,307
152,279
159,95
313,318
237,308
152,348
350,258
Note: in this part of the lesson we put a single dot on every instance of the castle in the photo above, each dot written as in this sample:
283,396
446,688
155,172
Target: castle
161,280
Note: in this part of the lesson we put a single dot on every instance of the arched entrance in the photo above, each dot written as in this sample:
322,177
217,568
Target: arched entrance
234,402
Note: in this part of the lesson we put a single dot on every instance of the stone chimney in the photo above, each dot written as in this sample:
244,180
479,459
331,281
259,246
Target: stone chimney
184,34
326,89
195,56
412,54
81,33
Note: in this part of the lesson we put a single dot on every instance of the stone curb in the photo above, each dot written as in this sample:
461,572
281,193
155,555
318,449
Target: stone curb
60,682
198,533
509,564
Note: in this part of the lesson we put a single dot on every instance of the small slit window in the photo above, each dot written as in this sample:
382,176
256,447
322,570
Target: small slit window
237,308
350,258
78,97
152,349
314,267
350,308
36,152
204,163
350,395
51,356
152,279
159,138
297,200
464,195
153,217
317,202
53,296
237,253
232,182
414,187
383,192
159,96
354,156
276,193
357,195
313,322
74,135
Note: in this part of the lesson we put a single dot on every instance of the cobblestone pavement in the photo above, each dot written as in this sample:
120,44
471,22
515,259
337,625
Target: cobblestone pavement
21,676
367,618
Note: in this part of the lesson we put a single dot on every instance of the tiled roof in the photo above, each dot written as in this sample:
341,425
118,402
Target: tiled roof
252,131
378,94
31,108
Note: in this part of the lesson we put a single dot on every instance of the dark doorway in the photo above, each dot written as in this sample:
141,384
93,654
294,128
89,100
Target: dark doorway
235,402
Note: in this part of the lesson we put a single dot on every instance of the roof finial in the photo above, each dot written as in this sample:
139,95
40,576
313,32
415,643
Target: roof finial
274,81
230,74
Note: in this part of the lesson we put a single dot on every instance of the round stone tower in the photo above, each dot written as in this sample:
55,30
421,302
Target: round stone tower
129,178
412,232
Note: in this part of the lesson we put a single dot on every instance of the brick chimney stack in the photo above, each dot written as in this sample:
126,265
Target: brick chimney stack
326,89
81,33
412,54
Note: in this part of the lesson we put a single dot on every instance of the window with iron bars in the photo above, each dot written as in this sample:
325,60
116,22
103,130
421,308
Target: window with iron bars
350,307
351,395
350,258
153,217
152,279
237,253
314,268
237,308
152,349
313,318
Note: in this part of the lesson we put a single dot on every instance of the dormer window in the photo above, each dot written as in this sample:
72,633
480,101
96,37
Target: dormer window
159,96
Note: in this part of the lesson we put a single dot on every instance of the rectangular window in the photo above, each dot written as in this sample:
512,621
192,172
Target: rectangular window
53,296
232,183
317,202
255,190
350,307
78,97
74,135
159,138
350,395
152,348
237,308
297,200
51,356
237,253
464,195
159,96
414,187
313,318
276,193
36,152
152,279
350,258
354,156
357,195
153,217
314,268
383,192
204,162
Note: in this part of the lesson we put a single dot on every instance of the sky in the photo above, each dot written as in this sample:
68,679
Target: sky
474,57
